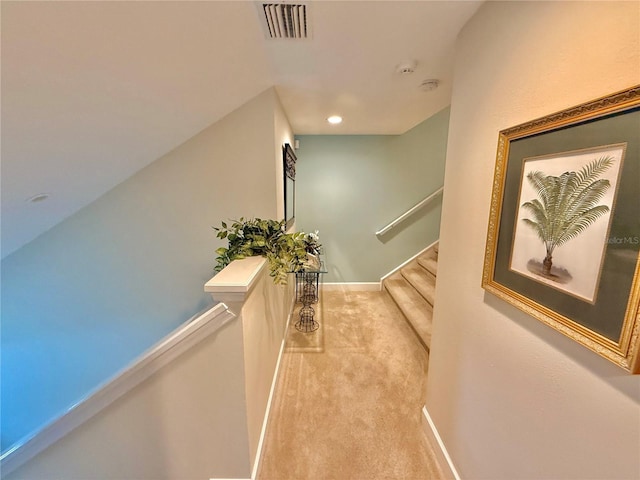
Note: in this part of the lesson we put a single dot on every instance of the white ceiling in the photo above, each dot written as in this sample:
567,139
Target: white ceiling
94,91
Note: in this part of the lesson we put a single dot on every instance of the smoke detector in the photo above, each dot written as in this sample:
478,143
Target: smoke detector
406,68
429,85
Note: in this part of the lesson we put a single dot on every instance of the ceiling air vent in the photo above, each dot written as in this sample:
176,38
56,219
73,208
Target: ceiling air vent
285,20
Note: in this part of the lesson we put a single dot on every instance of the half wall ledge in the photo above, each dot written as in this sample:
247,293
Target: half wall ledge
234,283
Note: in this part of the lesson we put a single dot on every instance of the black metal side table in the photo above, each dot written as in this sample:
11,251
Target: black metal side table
307,293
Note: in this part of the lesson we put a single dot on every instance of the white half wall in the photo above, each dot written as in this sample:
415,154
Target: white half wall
511,397
186,421
265,317
200,415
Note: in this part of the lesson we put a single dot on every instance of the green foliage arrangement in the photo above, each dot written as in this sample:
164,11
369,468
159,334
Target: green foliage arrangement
566,205
285,252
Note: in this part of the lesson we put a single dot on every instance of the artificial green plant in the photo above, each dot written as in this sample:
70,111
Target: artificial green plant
285,252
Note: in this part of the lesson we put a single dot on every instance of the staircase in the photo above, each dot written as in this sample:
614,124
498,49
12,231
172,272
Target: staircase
413,289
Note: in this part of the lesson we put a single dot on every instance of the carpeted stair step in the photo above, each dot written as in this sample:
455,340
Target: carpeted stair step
414,307
429,261
421,280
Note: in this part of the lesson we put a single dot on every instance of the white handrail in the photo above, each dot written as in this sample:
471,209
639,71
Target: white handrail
176,343
409,212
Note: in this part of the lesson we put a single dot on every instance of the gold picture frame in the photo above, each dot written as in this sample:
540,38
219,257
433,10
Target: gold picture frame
563,240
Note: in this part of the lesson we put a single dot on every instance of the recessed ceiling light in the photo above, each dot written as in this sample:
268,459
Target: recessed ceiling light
334,119
40,197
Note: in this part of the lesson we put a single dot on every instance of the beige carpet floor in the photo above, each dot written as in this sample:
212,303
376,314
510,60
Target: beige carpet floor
348,399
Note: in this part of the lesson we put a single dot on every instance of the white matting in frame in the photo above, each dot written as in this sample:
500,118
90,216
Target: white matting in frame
574,265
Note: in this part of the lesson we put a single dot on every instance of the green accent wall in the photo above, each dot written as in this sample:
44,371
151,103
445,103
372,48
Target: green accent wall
350,186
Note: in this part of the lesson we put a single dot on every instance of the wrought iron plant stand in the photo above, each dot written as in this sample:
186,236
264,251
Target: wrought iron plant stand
307,293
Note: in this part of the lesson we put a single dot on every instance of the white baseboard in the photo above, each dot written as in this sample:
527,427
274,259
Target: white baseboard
351,286
407,262
274,381
433,437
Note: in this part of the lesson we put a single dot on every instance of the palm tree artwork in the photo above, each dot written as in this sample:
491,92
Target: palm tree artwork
566,206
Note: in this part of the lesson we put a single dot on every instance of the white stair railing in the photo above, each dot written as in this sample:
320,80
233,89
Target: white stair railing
408,213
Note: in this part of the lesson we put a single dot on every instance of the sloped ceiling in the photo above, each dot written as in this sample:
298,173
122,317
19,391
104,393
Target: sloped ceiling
94,91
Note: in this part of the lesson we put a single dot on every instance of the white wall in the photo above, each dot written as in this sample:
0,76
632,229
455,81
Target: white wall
511,397
283,134
91,294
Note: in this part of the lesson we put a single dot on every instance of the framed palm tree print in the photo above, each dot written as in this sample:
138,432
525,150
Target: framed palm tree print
563,240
